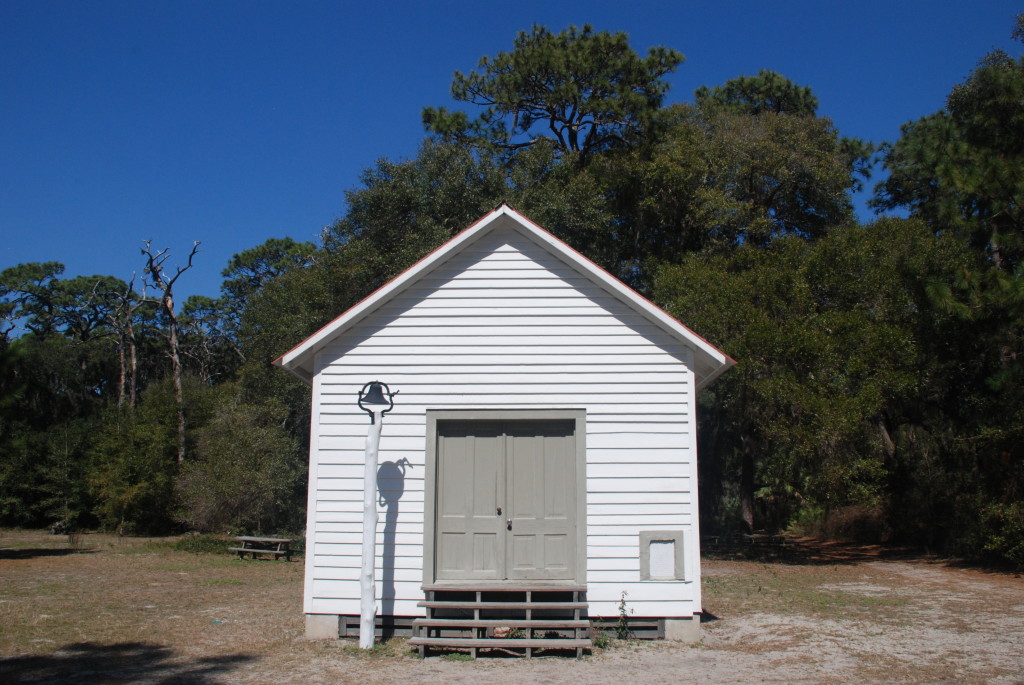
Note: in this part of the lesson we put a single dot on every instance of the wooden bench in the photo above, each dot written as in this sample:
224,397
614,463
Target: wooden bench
278,547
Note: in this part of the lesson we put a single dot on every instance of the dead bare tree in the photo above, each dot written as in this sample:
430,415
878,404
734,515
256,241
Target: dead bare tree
164,283
122,319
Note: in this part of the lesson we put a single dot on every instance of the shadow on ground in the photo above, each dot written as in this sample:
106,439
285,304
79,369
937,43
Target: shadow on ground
33,552
126,662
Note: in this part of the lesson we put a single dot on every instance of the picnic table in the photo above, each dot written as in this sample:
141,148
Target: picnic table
279,547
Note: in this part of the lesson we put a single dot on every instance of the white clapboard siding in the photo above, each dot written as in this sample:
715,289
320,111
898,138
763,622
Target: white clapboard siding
596,530
351,573
621,563
505,323
621,544
343,505
349,561
356,538
353,549
405,528
328,588
341,457
619,472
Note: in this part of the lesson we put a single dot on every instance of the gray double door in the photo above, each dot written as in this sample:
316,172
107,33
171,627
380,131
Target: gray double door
506,500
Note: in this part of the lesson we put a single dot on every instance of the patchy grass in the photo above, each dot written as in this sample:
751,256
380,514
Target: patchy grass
829,592
397,647
223,581
112,609
870,618
114,590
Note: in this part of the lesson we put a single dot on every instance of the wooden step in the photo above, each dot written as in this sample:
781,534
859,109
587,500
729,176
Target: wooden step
502,643
561,616
498,623
503,586
433,604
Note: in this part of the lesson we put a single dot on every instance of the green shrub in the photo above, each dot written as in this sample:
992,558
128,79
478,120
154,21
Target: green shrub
134,462
1006,532
203,544
599,637
863,523
245,473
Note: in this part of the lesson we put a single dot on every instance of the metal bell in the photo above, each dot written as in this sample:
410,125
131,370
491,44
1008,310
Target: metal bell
373,393
376,397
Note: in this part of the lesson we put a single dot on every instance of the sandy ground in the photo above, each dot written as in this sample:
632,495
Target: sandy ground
113,611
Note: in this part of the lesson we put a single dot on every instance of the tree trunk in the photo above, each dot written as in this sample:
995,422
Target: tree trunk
121,373
165,284
996,251
133,366
179,396
747,484
887,442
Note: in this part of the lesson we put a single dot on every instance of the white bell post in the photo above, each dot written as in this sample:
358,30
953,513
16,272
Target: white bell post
376,400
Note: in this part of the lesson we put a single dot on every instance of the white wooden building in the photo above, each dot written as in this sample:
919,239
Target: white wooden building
543,433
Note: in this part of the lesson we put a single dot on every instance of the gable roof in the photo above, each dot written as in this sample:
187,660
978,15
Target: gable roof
709,361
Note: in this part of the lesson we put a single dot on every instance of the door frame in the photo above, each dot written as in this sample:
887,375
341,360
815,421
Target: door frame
579,416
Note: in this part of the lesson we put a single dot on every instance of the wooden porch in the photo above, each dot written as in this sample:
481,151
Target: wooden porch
515,618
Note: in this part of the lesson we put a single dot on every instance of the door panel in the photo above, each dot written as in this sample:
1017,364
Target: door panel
541,468
471,461
526,469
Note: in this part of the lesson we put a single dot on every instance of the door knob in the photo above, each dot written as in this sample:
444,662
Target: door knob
499,512
508,524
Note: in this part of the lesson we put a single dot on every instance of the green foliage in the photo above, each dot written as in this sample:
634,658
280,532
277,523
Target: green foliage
203,544
211,327
1003,530
622,630
249,270
60,474
28,293
712,180
599,637
208,338
880,389
962,169
767,92
580,89
771,93
34,297
134,463
788,171
829,337
247,473
52,380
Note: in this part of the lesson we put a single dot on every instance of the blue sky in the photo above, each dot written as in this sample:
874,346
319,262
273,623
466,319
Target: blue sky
231,122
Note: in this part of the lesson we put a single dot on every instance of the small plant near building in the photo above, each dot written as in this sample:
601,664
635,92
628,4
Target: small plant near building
622,630
599,637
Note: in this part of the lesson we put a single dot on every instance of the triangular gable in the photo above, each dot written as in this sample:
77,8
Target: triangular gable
709,361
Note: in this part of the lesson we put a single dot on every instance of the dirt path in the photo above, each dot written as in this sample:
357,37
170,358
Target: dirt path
138,611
